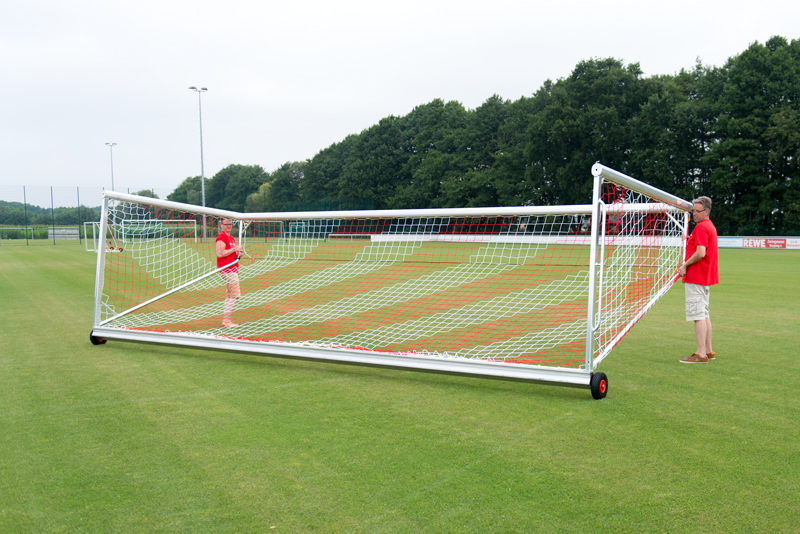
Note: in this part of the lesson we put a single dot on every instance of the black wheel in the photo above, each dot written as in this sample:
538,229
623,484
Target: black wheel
96,340
599,385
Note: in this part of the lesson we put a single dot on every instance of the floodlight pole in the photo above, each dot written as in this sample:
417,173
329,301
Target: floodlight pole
202,169
111,149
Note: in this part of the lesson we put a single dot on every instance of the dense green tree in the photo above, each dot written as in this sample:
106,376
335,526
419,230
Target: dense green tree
431,145
258,201
478,143
188,192
670,137
15,214
229,188
510,172
11,214
285,186
374,164
586,118
752,173
321,173
783,138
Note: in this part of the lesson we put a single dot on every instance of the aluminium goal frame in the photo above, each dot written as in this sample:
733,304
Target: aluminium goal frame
564,376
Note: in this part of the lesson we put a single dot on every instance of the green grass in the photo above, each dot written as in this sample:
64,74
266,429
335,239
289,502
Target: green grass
138,438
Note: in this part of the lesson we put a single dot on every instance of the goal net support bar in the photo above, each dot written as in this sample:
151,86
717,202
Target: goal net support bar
534,293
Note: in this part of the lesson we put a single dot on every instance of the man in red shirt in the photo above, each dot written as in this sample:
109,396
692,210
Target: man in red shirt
228,252
699,273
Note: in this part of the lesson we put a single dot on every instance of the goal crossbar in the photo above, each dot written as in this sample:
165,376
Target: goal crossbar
576,209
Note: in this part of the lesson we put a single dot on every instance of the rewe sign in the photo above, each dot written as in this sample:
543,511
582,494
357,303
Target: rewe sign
761,242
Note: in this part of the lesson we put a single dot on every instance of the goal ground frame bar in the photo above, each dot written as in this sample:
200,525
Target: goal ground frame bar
577,378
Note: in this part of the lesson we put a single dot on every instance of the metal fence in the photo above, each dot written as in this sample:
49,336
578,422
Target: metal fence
45,215
50,215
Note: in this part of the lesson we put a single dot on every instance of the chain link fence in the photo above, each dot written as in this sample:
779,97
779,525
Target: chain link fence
58,215
52,215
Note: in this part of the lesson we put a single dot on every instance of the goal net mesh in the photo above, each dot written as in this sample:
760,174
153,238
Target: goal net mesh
494,288
640,248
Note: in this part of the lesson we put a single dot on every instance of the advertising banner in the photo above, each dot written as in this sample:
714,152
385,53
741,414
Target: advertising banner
763,242
729,242
759,242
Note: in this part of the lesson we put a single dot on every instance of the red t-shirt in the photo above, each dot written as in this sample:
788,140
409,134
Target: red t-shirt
230,242
705,272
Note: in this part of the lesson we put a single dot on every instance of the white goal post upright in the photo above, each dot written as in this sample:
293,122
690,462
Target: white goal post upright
99,277
518,293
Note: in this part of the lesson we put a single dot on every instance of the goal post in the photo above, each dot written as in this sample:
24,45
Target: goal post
533,293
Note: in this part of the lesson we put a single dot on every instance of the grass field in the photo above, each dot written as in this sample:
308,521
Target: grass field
137,438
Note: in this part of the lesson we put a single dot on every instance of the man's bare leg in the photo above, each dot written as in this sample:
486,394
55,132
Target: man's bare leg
703,334
709,349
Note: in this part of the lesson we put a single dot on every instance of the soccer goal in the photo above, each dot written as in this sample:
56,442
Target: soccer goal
144,229
91,235
532,293
16,232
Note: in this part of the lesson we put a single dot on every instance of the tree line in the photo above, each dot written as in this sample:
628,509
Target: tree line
730,132
17,214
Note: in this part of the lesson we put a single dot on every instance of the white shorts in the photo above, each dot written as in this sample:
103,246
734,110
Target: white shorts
230,277
697,301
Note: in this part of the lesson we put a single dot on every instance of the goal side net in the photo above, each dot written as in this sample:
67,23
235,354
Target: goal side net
531,293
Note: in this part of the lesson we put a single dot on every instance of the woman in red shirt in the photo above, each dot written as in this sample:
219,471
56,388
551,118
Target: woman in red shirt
227,253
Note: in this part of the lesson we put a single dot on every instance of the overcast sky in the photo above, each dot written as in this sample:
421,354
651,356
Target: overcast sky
287,79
